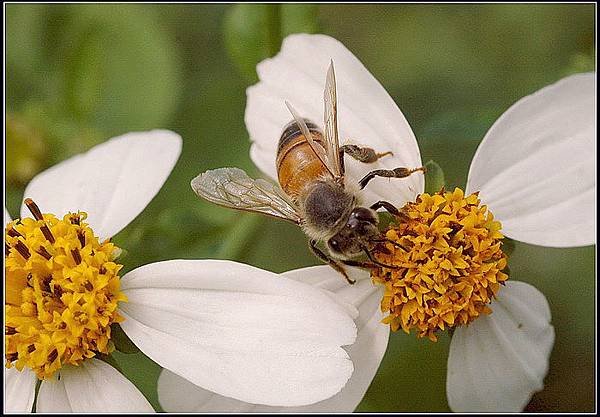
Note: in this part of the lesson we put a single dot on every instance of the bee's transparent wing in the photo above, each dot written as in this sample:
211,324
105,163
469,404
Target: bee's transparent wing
232,187
318,149
332,142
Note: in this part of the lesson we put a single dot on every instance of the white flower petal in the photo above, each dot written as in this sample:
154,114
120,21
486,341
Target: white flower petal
113,182
498,361
239,331
53,397
367,115
535,167
178,395
372,339
19,390
92,387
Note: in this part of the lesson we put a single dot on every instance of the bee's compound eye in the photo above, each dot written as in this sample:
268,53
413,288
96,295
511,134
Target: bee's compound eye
353,223
335,245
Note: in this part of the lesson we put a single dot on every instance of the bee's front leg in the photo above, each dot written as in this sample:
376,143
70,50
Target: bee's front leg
334,264
375,261
360,264
372,264
389,207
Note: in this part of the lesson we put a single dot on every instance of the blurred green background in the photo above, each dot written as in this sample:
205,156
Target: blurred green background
77,75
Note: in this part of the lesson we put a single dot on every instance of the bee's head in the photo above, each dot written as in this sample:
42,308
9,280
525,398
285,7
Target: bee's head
360,228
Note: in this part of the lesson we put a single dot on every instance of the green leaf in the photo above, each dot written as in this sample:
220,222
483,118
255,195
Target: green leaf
253,32
122,342
508,246
142,372
386,219
434,177
121,71
110,360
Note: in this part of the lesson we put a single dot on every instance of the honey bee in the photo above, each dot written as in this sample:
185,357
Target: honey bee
311,191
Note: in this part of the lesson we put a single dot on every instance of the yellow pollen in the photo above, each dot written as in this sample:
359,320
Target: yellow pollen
447,250
62,291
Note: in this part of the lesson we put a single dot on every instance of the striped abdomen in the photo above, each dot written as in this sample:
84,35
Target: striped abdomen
297,164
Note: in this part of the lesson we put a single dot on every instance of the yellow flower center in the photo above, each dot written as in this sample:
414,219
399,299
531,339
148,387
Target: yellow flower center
62,290
449,262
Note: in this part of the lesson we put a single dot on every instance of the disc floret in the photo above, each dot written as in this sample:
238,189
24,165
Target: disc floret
448,252
62,291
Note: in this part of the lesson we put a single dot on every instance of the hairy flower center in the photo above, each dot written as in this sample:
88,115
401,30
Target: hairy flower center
449,261
62,290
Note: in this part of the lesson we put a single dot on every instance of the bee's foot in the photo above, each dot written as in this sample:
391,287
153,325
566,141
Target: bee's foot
350,280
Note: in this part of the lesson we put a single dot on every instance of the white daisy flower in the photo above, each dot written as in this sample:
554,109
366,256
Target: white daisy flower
175,394
227,327
534,168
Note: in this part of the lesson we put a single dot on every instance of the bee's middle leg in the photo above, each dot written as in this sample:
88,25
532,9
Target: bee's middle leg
334,264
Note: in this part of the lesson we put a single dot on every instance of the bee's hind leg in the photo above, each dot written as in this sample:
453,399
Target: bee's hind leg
335,265
400,172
